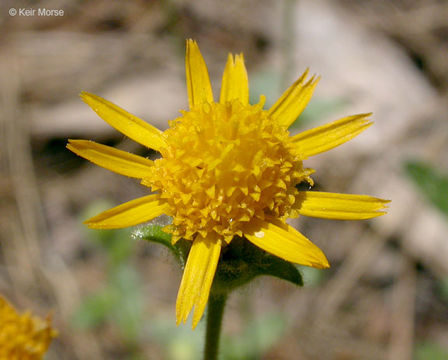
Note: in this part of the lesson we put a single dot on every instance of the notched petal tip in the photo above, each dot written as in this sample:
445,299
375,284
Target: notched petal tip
235,82
326,137
198,81
84,94
131,213
115,160
340,206
77,143
190,42
89,98
92,224
197,279
322,264
302,77
74,145
69,144
123,121
383,207
294,100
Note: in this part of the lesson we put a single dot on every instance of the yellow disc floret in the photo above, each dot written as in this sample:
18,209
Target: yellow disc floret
223,166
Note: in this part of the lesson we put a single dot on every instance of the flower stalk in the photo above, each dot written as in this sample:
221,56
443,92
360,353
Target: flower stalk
215,312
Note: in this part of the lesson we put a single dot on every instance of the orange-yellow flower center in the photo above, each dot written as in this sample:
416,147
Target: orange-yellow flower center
225,165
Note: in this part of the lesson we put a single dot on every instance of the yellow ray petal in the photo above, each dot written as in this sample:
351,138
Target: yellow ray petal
197,278
286,242
128,214
119,161
126,123
293,101
326,137
235,83
198,81
340,206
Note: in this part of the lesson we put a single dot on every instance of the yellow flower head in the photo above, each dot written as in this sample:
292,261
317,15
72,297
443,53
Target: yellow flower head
23,336
227,168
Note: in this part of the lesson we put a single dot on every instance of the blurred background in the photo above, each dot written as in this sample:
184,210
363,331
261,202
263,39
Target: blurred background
111,295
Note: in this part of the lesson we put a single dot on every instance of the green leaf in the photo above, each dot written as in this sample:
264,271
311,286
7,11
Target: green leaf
242,261
311,276
154,233
274,266
431,182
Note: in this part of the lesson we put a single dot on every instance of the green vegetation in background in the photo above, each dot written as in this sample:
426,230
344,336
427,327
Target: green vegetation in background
178,342
120,300
257,337
316,110
444,289
431,182
265,82
433,185
430,351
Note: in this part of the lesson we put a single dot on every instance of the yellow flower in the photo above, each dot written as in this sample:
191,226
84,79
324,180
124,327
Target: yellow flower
23,336
227,168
